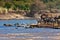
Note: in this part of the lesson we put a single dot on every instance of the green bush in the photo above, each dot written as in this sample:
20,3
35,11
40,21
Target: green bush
7,5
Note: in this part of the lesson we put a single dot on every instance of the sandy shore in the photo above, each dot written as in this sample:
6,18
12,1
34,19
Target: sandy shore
13,16
30,36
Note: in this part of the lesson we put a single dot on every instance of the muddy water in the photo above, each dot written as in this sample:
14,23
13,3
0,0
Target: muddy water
21,33
29,34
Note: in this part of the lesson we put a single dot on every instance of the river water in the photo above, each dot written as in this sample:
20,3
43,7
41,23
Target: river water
21,33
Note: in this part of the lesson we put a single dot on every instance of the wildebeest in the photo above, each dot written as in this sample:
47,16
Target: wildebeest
47,19
7,24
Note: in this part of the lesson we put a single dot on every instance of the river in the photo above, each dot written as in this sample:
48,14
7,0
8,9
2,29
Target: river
21,33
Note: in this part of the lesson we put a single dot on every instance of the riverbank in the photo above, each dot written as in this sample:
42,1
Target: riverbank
14,17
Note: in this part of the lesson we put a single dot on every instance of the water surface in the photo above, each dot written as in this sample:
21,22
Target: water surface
11,33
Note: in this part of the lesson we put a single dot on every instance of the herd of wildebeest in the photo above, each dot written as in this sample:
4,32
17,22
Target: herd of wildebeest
45,19
55,21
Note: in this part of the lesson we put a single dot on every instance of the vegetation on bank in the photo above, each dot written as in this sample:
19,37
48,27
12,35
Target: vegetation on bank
26,4
33,5
20,4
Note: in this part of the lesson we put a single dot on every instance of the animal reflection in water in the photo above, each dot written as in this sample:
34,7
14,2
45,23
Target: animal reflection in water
8,25
17,25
